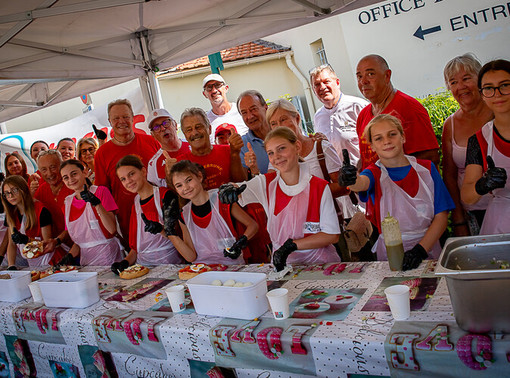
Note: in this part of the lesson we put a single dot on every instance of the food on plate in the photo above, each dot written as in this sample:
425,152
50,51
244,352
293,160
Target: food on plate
134,271
33,249
35,275
54,269
193,270
5,276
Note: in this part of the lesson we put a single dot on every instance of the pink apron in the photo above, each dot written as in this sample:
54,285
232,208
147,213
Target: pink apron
210,242
153,249
499,203
291,223
413,214
95,247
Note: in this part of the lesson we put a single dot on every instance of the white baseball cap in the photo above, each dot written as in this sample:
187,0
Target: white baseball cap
212,77
158,113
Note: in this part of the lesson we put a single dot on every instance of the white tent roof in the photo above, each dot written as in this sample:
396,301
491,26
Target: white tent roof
54,50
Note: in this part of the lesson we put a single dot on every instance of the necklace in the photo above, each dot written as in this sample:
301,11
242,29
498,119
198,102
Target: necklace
384,103
121,143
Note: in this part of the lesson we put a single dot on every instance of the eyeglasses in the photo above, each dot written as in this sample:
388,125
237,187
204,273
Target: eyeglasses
12,193
488,92
164,125
210,87
90,150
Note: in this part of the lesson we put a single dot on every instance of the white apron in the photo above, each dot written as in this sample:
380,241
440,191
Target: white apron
499,203
95,247
153,249
38,261
291,223
414,215
210,242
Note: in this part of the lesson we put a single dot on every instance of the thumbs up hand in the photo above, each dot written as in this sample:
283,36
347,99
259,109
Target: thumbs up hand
151,226
493,178
250,159
348,173
88,196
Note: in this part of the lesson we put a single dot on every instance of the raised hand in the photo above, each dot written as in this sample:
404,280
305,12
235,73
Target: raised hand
151,226
414,257
19,238
493,178
348,173
100,134
235,251
229,194
169,163
250,159
89,197
281,254
236,142
171,215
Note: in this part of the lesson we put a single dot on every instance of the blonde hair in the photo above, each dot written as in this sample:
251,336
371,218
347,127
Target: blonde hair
281,132
81,142
27,201
382,118
281,104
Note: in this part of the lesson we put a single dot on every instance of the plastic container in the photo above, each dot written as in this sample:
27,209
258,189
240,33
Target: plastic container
229,302
478,278
393,242
16,288
70,290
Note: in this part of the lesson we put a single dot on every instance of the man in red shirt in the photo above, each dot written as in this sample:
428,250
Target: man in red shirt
52,190
222,163
374,82
164,129
124,142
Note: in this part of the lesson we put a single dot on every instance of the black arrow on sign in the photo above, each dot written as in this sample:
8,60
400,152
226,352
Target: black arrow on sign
421,33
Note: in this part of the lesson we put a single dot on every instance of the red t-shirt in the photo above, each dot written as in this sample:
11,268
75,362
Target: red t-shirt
105,160
156,165
216,164
45,195
415,121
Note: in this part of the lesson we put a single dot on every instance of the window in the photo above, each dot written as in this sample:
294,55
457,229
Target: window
319,52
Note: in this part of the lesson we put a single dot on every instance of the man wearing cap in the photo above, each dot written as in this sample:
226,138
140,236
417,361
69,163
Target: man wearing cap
215,90
124,142
164,129
223,133
252,106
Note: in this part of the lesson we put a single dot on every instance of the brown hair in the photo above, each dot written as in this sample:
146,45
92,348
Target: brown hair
382,118
121,101
26,200
281,132
186,166
17,155
130,161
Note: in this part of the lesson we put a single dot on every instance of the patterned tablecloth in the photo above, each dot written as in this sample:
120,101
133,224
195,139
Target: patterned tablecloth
340,327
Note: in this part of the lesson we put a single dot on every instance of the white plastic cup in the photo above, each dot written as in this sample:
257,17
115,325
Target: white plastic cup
279,302
35,290
399,301
175,296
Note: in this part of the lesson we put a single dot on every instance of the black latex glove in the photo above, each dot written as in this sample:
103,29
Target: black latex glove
66,260
414,257
2,176
281,254
493,178
171,215
100,134
151,226
348,173
12,267
19,238
120,266
235,251
229,194
1,259
88,196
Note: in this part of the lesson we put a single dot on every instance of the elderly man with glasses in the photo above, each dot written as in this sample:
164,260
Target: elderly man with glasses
222,111
163,128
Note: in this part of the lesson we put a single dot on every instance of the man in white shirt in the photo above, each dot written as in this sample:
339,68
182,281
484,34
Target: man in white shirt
337,118
222,111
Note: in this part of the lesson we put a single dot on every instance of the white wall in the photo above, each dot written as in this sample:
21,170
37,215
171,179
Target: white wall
417,64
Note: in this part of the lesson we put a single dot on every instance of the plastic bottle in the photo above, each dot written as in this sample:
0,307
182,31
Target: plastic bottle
393,242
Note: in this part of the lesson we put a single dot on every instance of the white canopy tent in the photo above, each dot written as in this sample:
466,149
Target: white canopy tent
54,50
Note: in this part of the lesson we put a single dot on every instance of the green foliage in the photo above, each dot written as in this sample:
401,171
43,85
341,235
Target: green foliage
439,106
